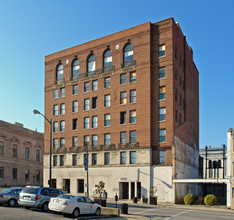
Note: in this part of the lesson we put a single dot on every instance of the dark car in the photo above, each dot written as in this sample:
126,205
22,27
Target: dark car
37,197
10,196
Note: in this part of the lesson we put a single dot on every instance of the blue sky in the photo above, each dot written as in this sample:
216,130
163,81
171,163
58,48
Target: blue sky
32,29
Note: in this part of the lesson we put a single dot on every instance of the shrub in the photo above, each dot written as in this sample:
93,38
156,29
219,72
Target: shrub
189,199
200,201
210,199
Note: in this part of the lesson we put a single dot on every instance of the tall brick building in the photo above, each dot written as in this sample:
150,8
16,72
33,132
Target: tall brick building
133,98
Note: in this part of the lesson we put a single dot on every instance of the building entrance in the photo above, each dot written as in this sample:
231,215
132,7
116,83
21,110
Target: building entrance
66,185
124,190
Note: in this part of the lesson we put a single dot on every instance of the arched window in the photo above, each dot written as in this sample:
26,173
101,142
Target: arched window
60,72
91,63
108,59
128,53
76,68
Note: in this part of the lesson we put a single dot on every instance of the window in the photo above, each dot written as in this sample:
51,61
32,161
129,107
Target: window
27,175
107,60
75,106
162,73
107,82
75,69
94,102
132,136
180,60
14,173
62,142
176,95
162,114
75,89
62,126
74,159
86,104
74,141
132,157
106,139
1,172
107,120
1,148
107,101
180,100
94,122
55,110
106,158
179,119
91,63
62,92
62,109
55,143
122,118
86,87
94,140
162,156
86,122
61,157
176,53
162,135
123,98
15,150
55,161
162,93
86,140
123,78
80,186
122,157
128,53
74,124
59,72
161,51
55,127
133,116
176,115
180,81
132,96
176,75
95,85
94,158
183,103
38,176
55,93
133,77
123,137
37,155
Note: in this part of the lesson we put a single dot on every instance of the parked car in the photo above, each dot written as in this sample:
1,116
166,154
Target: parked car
10,196
74,204
37,197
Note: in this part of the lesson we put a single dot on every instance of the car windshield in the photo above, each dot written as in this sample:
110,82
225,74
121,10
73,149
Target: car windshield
6,191
70,197
29,190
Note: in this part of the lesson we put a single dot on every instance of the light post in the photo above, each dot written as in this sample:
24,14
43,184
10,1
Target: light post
50,122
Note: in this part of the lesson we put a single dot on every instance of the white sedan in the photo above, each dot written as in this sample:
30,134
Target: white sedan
75,205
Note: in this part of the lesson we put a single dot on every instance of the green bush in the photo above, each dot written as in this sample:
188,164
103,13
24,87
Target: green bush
199,201
210,199
189,199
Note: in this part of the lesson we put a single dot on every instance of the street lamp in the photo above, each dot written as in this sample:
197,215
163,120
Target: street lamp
50,122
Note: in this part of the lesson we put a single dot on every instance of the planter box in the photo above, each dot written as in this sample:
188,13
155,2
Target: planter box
153,200
145,200
101,202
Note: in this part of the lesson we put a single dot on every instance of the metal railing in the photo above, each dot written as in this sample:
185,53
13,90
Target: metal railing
128,64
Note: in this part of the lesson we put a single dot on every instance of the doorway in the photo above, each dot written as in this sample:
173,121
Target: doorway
66,185
124,190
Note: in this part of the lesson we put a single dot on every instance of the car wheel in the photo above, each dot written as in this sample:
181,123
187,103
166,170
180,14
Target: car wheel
12,202
45,207
98,212
76,213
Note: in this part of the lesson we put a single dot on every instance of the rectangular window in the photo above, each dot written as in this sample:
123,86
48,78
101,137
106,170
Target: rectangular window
162,93
176,115
176,53
179,119
55,93
133,77
86,104
55,143
162,157
176,75
132,135
106,158
61,159
133,116
180,100
38,176
107,139
86,140
162,135
122,157
95,85
14,173
94,122
107,82
62,109
162,73
180,60
94,158
1,148
180,81
122,118
86,87
62,126
75,89
107,101
26,153
161,50
75,106
74,159
80,186
55,161
86,122
132,96
123,78
27,175
55,126
107,120
176,95
75,141
94,140
183,103
62,92
15,150
74,124
123,137
62,142
1,172
132,157
162,114
94,102
123,98
55,110
38,155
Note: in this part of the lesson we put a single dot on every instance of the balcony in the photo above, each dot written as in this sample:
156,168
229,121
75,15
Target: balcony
59,150
59,81
92,148
129,145
128,65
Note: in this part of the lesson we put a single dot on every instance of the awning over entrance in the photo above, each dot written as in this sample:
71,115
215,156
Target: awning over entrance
201,180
